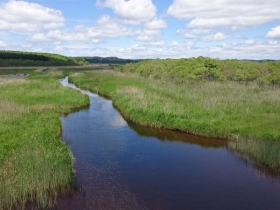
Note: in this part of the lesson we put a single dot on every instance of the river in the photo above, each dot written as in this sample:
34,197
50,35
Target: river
120,165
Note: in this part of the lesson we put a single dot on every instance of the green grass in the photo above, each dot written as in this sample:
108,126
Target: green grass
34,163
211,109
16,71
69,71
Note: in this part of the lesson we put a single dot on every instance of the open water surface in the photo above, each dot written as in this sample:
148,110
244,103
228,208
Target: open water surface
120,165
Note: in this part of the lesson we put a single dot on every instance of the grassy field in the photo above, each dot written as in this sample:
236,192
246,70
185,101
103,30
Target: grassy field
214,109
34,162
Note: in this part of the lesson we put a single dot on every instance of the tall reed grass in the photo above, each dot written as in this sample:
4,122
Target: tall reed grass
261,152
35,165
212,109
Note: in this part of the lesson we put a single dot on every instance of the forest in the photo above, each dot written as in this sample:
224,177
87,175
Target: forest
206,69
108,60
17,58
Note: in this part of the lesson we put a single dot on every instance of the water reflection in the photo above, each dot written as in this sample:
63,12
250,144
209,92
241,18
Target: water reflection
126,166
118,121
175,136
265,155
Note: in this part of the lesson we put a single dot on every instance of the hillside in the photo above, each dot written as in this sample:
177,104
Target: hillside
17,58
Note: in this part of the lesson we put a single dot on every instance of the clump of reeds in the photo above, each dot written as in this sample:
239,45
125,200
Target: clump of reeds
262,152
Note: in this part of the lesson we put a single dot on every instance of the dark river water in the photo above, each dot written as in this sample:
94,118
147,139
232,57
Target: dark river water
120,165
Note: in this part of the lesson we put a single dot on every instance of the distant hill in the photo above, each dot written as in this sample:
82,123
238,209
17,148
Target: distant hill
17,58
108,60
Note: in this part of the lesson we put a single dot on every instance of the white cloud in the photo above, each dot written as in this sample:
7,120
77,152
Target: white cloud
193,33
245,50
174,44
26,45
105,28
203,13
175,49
95,41
3,44
157,43
209,23
78,46
240,50
147,34
214,37
273,42
151,31
249,42
58,35
28,17
132,10
58,48
39,37
134,49
188,35
274,33
144,38
181,46
156,24
65,36
108,28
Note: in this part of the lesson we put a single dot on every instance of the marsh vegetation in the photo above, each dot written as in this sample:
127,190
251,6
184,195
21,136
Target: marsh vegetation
214,109
34,163
245,115
227,100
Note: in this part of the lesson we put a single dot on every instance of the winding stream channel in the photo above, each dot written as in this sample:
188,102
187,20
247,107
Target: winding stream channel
120,165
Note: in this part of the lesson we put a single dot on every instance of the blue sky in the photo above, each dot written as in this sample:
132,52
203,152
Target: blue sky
143,28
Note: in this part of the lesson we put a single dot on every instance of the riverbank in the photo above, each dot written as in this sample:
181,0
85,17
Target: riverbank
214,109
34,163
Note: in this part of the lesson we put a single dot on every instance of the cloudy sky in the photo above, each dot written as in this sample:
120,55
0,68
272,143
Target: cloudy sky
242,29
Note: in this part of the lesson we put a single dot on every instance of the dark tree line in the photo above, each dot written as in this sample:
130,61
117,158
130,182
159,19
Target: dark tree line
16,58
23,56
109,60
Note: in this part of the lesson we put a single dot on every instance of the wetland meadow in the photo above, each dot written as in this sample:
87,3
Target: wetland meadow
141,136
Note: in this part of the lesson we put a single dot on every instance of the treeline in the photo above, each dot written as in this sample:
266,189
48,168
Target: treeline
206,69
17,58
108,60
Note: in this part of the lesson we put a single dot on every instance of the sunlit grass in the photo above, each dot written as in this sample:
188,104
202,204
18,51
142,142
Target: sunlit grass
212,109
34,163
